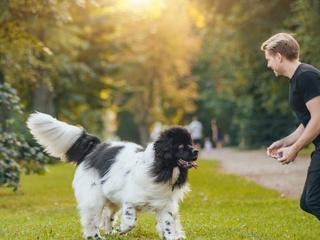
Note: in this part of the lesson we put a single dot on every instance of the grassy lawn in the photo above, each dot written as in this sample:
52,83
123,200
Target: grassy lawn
306,151
220,206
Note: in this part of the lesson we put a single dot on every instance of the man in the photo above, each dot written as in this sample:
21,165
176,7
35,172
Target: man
282,55
217,134
195,129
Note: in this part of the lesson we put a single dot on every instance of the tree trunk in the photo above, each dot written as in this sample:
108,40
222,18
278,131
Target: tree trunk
42,94
143,133
43,99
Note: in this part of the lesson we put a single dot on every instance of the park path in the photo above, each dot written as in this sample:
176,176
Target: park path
256,166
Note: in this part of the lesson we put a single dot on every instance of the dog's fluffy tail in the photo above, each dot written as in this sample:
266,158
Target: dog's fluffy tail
55,136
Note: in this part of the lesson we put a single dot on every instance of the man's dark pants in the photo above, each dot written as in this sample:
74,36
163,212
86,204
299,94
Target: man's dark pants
310,198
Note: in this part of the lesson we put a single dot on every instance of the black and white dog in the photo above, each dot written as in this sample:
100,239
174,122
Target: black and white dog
121,175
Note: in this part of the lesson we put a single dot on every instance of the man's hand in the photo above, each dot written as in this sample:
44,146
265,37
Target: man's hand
287,155
273,148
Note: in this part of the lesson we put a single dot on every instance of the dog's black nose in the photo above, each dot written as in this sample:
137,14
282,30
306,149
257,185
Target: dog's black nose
195,152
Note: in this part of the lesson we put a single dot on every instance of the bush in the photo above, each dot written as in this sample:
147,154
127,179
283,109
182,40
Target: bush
17,153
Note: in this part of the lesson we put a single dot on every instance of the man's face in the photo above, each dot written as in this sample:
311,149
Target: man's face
274,61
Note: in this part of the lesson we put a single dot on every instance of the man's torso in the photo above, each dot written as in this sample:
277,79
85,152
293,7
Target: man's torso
304,85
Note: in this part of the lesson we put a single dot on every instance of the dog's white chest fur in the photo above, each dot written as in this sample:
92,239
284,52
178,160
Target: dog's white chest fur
175,175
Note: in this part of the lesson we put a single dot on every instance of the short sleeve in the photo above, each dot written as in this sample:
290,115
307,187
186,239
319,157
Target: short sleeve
310,83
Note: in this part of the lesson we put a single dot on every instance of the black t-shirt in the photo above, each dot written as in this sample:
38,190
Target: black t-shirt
304,85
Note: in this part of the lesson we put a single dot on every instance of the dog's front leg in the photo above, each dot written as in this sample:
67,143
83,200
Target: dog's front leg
179,231
128,218
168,224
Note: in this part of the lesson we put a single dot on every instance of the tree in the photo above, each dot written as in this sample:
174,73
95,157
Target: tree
28,61
48,56
305,25
155,62
16,153
235,86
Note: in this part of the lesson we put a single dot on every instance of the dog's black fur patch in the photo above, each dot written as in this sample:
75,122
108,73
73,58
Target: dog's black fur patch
166,158
82,147
102,157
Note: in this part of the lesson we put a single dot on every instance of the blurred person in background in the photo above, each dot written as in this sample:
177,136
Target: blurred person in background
217,134
195,129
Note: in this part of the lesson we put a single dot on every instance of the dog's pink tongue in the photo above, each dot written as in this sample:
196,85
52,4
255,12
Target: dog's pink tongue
194,165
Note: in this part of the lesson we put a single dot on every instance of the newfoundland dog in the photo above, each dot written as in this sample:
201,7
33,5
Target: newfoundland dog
121,175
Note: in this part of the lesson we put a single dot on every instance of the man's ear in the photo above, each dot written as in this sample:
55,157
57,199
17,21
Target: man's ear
279,57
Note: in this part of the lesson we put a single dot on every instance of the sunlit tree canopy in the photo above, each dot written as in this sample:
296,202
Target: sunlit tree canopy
137,62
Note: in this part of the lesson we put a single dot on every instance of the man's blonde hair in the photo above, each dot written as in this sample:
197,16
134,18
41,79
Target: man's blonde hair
283,43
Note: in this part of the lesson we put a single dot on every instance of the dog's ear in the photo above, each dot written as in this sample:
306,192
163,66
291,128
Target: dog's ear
163,148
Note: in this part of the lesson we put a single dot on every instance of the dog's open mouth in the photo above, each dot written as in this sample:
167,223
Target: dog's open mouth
187,164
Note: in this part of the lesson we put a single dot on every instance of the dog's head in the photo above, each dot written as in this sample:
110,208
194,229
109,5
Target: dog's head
174,148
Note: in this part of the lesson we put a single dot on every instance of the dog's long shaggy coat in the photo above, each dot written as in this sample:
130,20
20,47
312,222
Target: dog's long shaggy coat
121,175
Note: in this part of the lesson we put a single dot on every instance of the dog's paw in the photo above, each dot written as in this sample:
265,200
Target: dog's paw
95,237
181,236
124,229
109,231
171,238
114,231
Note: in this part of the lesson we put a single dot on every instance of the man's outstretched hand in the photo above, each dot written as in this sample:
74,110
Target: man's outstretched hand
286,155
278,150
274,147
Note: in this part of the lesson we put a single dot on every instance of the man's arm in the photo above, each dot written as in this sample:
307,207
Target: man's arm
293,137
311,131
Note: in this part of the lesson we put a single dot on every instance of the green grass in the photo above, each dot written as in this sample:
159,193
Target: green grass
220,206
306,151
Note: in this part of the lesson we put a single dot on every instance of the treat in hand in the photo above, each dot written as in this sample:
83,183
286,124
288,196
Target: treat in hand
279,155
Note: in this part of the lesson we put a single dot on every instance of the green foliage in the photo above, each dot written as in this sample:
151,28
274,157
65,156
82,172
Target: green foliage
220,206
155,61
16,153
75,59
305,24
127,129
236,88
44,52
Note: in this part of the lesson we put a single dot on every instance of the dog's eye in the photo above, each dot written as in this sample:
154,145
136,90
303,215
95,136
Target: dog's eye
181,146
